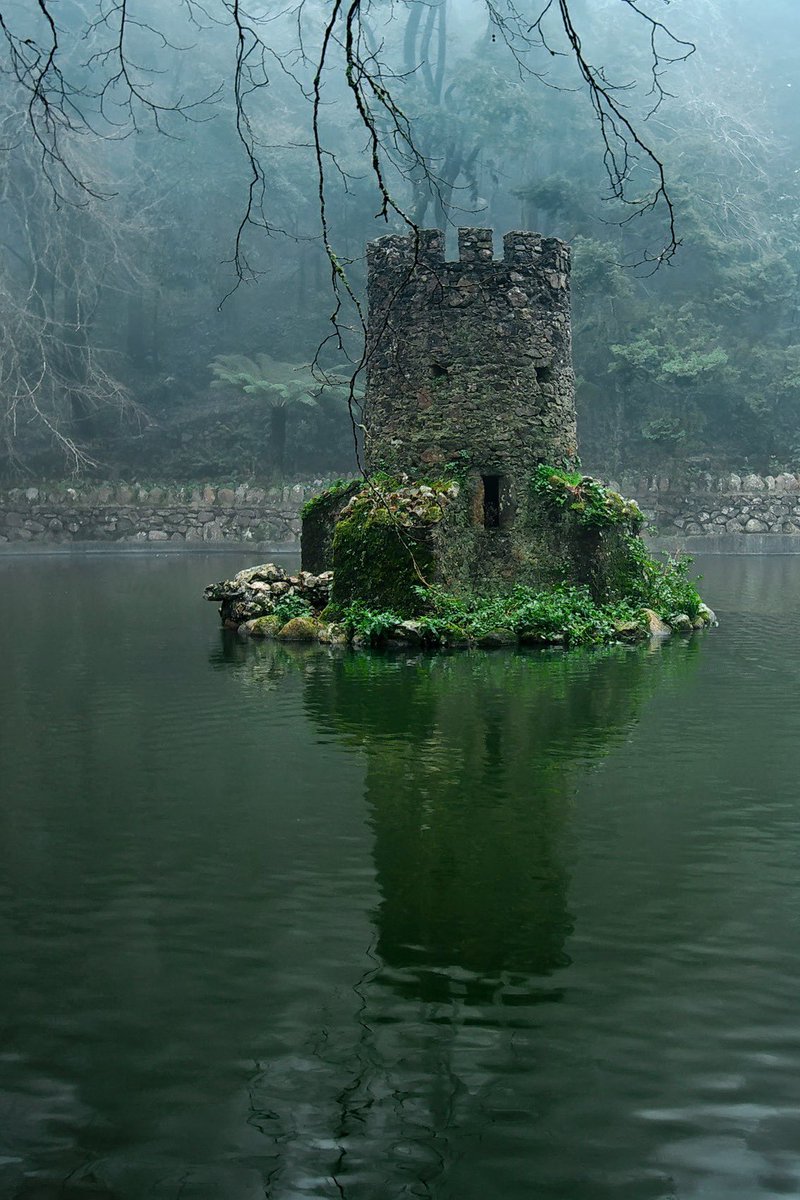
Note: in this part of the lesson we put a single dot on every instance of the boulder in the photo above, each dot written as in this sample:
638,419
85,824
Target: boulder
495,639
265,573
332,635
408,631
299,629
262,627
655,626
629,631
707,616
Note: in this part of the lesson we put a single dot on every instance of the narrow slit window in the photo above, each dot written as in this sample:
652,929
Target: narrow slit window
491,501
544,374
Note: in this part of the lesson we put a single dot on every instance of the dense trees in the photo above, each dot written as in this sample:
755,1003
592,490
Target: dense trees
162,159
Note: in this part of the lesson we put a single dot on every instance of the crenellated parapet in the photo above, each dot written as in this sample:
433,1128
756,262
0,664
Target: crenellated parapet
469,361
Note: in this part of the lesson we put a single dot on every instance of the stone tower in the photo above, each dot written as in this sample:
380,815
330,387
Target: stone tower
470,362
469,391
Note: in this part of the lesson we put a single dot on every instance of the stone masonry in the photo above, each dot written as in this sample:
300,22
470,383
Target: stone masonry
715,505
469,362
139,513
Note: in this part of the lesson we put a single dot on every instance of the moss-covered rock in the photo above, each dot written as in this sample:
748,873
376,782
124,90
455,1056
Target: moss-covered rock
495,639
707,615
299,629
332,634
630,629
267,590
262,627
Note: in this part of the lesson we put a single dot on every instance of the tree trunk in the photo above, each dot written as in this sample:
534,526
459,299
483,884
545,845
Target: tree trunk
277,437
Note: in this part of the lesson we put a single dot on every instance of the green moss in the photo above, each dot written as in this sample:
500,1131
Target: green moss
382,543
337,491
263,627
377,562
319,516
299,629
590,503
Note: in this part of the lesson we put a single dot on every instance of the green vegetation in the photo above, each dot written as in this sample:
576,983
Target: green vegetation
593,505
378,559
563,615
386,556
665,587
290,608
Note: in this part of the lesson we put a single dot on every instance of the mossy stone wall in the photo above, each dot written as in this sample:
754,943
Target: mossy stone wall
378,563
544,547
382,552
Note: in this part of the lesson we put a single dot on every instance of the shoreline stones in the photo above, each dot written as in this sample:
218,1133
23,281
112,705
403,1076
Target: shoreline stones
266,602
257,592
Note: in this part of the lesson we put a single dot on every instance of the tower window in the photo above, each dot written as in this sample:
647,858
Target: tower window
544,374
491,501
438,371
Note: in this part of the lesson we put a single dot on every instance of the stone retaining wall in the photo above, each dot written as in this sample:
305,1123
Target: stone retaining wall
713,505
137,513
704,506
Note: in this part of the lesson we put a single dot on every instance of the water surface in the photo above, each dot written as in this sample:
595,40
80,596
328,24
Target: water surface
283,922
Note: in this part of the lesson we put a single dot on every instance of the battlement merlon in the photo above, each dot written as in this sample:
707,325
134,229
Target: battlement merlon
406,251
522,250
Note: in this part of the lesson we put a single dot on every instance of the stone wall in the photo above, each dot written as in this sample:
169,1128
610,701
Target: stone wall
471,361
133,513
708,505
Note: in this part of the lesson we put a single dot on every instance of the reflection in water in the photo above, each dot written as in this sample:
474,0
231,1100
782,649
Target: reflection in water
470,774
469,762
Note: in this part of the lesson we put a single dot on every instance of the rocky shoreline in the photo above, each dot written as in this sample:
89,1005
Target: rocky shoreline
266,601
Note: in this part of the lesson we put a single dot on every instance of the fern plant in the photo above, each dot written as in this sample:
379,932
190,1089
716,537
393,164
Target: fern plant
282,386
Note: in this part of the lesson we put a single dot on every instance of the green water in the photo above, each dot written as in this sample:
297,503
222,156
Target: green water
291,923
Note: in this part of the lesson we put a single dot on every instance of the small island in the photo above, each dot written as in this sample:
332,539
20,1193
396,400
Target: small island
473,523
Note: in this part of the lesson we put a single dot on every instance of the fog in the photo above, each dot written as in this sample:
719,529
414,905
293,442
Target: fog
188,190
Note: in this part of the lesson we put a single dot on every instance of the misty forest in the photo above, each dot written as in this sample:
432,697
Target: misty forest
186,186
450,349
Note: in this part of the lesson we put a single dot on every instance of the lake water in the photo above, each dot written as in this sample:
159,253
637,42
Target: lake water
285,922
